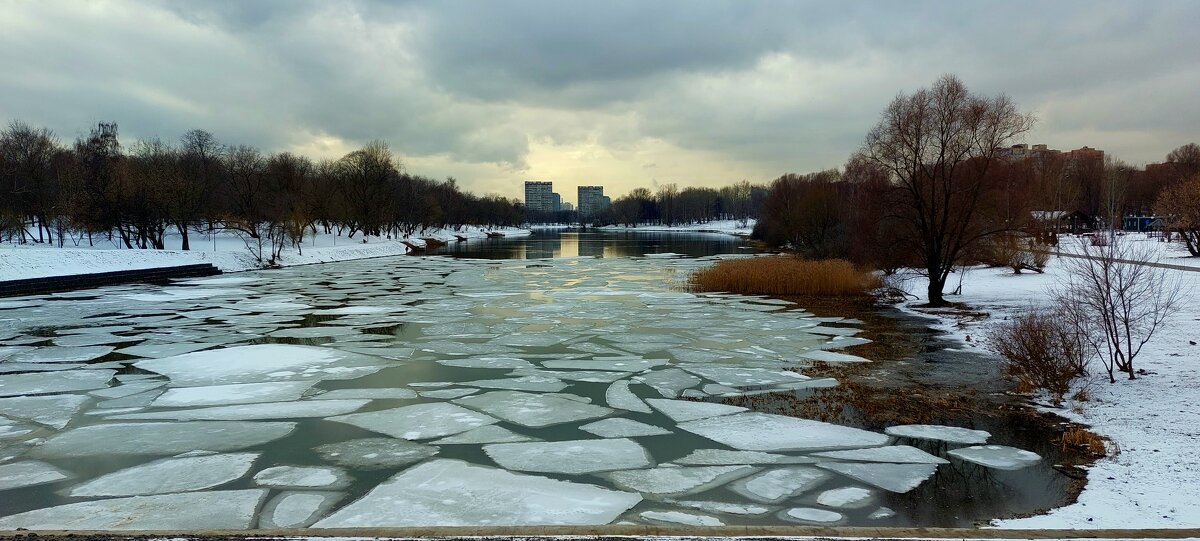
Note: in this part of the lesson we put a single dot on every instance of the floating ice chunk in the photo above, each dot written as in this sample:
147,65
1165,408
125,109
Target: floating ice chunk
29,473
669,382
620,427
375,453
431,384
61,354
237,393
716,457
259,363
8,431
158,351
297,509
161,438
139,400
692,355
846,498
531,340
12,368
753,431
832,357
897,454
532,410
302,477
882,512
446,347
998,457
677,481
447,394
359,310
250,412
571,457
176,474
619,364
687,410
127,389
51,411
723,507
219,510
487,362
455,493
744,376
485,434
314,332
591,376
419,421
186,293
393,353
375,393
679,517
892,477
526,383
833,331
776,485
54,382
809,515
948,434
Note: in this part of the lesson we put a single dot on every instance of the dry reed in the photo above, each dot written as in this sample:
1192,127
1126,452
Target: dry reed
785,276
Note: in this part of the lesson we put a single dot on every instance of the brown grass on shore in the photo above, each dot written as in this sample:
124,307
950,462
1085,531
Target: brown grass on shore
785,276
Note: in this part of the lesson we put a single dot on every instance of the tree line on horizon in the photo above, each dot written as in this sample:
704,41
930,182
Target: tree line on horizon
134,195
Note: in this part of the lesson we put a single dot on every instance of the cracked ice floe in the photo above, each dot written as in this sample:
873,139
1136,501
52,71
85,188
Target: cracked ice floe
313,332
61,354
832,357
158,351
487,362
687,410
237,393
669,382
809,515
722,507
591,376
419,421
51,411
54,382
169,475
375,453
532,410
679,517
744,376
30,473
161,438
302,477
525,383
168,294
892,477
948,434
531,340
447,394
618,364
297,509
571,457
677,481
999,457
620,427
220,509
92,339
454,493
250,412
753,431
261,363
446,347
381,393
846,498
359,310
898,454
776,485
717,457
126,390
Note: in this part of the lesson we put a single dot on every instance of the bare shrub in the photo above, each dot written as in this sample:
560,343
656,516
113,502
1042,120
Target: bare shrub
1042,351
785,275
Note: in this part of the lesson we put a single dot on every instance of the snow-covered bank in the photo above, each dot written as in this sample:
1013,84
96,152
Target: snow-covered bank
729,227
1152,477
224,250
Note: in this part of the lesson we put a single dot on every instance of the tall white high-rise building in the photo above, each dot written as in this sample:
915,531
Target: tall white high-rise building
539,196
591,201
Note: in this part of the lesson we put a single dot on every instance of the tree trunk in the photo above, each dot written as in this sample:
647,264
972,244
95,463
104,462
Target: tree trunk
936,285
184,234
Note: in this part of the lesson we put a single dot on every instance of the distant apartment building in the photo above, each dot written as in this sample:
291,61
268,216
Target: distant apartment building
1023,151
556,201
539,196
592,200
567,206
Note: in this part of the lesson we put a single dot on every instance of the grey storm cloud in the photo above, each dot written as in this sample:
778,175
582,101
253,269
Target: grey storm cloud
788,86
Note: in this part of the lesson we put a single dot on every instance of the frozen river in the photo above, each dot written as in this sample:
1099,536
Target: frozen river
504,390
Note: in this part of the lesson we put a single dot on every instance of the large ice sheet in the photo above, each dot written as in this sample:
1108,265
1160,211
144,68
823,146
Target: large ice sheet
688,410
30,473
261,363
669,382
619,396
169,475
948,434
617,364
620,427
215,510
54,382
419,421
237,393
251,412
679,517
455,493
158,351
532,410
382,393
162,438
375,453
677,481
722,507
297,509
776,485
302,477
52,411
892,477
526,383
484,434
61,354
717,457
571,457
740,376
998,457
898,454
753,431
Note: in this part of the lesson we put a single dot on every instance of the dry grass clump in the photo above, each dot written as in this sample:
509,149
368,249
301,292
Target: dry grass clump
785,276
1084,439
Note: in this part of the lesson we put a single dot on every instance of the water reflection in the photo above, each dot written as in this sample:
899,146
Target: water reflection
544,244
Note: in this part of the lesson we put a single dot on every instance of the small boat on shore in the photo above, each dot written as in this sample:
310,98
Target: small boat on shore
431,242
495,235
413,248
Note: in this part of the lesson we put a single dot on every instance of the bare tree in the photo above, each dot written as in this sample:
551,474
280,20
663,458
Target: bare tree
1185,160
1179,205
1115,296
938,145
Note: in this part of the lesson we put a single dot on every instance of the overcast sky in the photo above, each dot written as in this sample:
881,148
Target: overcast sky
619,93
